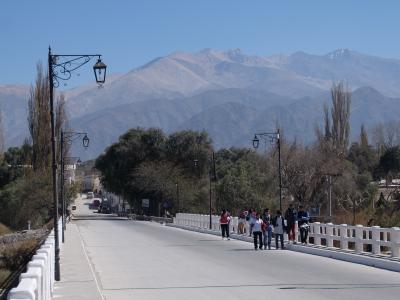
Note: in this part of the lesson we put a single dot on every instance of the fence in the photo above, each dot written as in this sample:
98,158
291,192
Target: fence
360,239
37,283
357,239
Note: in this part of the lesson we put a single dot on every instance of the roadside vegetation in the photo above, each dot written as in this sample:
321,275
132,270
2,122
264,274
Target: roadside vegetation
176,171
25,181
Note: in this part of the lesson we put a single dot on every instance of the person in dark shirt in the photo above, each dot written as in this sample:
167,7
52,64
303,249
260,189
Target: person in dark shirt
291,217
267,228
303,218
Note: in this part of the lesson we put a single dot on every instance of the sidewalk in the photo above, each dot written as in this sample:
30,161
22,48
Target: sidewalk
77,278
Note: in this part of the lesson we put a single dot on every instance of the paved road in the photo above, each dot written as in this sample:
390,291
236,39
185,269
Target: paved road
142,260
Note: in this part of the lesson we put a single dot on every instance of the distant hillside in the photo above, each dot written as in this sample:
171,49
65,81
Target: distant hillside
230,94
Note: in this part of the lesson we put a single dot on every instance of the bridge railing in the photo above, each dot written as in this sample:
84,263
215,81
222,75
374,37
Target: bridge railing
377,240
37,283
358,238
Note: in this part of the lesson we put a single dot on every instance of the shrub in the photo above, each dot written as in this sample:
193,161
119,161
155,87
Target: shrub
4,229
15,254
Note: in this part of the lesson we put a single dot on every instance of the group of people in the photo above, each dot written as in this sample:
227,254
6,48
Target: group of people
263,226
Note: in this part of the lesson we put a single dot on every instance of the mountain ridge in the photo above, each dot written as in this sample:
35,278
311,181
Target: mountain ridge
210,88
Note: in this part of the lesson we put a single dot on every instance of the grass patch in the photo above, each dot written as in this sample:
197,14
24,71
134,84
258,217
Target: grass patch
4,273
4,229
15,254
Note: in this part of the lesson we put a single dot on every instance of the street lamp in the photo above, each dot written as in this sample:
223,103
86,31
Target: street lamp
61,68
212,177
68,137
272,136
177,197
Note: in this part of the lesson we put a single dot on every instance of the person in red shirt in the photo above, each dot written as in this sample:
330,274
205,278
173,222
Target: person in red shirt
224,222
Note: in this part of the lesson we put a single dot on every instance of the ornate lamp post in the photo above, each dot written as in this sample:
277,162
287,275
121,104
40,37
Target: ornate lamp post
61,68
68,137
272,136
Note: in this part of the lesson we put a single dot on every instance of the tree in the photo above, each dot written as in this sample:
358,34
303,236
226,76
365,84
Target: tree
39,121
389,162
186,147
362,154
340,113
61,124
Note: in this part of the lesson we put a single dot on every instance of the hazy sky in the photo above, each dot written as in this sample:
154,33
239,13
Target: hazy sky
129,33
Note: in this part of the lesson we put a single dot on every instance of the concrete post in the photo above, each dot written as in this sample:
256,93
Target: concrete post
376,237
344,245
329,235
47,252
42,285
395,241
359,245
47,274
26,289
34,273
317,233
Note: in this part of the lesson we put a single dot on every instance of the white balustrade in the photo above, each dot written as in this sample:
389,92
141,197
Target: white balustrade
346,235
37,283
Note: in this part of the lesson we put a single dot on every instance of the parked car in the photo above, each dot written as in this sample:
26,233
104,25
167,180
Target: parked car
90,195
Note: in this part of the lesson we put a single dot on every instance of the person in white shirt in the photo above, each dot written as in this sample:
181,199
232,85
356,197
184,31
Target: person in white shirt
256,224
279,227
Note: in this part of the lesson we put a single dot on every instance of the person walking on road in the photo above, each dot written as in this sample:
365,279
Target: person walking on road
304,227
279,227
291,218
257,231
242,223
249,220
267,228
224,222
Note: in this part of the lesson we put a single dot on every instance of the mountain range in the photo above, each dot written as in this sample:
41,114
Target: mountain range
229,94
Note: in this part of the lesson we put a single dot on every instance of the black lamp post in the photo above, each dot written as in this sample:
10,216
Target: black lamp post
212,177
68,137
177,197
61,68
272,136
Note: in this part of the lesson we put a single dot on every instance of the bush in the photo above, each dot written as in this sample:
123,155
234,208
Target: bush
15,254
4,229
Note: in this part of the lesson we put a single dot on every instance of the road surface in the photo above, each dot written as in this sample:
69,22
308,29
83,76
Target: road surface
143,260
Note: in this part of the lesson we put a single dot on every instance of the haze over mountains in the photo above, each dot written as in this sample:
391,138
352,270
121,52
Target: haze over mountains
229,94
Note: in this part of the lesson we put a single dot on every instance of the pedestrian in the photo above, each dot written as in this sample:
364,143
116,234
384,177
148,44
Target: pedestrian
303,217
267,228
291,218
256,224
279,227
249,219
224,222
242,223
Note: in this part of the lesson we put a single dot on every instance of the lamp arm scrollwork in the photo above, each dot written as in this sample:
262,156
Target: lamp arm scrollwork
62,70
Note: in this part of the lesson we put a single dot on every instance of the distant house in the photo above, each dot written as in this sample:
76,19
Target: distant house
91,183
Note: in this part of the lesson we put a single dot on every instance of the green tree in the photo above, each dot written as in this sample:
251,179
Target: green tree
39,121
389,162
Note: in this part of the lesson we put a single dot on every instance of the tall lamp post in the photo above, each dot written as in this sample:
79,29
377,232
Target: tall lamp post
212,177
61,68
177,197
272,136
68,137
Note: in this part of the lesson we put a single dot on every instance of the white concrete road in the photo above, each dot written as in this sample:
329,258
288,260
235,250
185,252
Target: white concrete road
142,260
